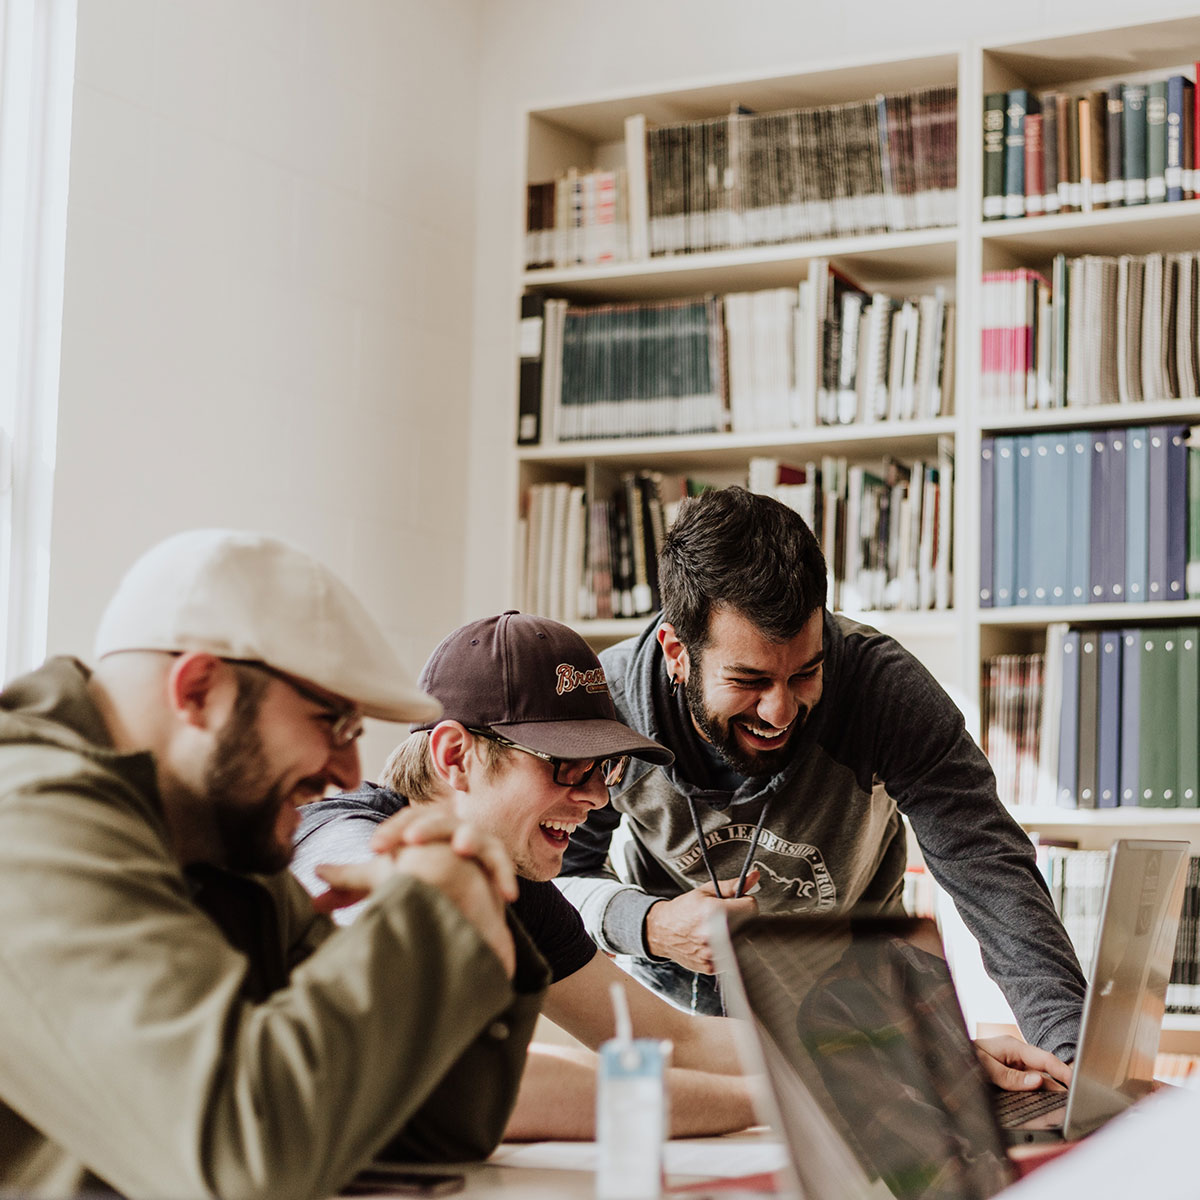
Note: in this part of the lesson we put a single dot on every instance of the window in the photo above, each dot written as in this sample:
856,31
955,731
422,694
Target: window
37,61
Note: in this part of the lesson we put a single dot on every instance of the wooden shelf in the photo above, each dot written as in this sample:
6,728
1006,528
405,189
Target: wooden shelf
874,260
1032,817
1139,230
1036,616
733,449
1163,412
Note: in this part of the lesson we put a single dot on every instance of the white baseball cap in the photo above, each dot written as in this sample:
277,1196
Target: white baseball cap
246,596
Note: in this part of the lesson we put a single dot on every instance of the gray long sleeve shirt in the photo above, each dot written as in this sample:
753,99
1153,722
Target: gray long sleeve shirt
884,740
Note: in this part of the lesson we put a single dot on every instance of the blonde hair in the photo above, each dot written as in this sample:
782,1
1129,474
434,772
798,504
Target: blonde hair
409,769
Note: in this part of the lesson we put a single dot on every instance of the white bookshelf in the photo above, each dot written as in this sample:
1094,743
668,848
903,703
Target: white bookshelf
952,643
588,134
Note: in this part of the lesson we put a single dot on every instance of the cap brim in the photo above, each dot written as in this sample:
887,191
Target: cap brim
598,738
414,705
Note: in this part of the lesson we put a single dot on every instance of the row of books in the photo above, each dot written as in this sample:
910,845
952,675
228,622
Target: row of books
823,353
1122,717
1012,717
755,178
886,532
1126,144
1076,881
887,535
579,218
588,557
1089,516
1102,330
1105,718
747,179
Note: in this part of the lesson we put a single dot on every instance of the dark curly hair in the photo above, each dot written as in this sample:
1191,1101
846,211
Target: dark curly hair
730,547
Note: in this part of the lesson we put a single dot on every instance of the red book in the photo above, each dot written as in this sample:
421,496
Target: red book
1196,132
1035,175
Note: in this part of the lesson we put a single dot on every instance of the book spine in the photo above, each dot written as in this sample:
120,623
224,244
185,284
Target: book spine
1035,203
987,540
1016,106
1050,200
1089,687
1115,146
1192,570
1156,142
993,156
1074,155
1096,132
1173,171
1188,772
1131,711
1068,740
1133,100
1108,729
529,397
1065,106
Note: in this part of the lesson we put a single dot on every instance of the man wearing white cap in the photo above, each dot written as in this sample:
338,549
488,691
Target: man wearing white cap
177,1019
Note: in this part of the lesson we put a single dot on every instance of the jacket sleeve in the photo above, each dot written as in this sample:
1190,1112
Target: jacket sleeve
127,1038
942,782
613,912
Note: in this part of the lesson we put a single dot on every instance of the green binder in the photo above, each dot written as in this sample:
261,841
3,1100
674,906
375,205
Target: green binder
1158,752
1189,717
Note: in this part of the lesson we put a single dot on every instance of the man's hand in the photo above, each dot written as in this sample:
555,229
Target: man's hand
678,928
418,826
461,879
1020,1067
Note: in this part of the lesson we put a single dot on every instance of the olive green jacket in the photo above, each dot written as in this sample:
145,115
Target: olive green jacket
175,1036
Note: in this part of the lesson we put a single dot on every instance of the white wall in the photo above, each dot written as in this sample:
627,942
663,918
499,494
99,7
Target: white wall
270,255
537,52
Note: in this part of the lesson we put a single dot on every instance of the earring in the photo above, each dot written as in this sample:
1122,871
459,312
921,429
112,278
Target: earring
674,684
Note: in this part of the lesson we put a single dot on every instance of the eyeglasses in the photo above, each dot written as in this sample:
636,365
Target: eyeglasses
568,772
345,720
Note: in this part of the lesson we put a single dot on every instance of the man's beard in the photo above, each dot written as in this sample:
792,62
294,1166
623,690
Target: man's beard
759,764
245,809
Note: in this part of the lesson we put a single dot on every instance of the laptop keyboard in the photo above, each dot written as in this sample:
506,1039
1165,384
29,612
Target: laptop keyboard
1014,1108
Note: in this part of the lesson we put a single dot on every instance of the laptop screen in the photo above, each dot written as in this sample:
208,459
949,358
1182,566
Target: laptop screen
878,1090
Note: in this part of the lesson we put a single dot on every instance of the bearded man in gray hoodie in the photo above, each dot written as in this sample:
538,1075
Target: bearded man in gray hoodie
801,738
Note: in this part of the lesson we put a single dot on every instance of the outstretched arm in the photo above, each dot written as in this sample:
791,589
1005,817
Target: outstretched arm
557,1099
581,1005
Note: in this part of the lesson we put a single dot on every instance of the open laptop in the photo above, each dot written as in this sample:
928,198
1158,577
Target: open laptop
1125,1001
874,1084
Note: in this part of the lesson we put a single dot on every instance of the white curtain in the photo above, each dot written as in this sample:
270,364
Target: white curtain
37,66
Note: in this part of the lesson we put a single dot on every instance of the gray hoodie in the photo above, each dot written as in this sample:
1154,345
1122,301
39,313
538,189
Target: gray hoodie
884,740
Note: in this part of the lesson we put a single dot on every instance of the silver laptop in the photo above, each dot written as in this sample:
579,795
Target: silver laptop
1125,1001
872,1079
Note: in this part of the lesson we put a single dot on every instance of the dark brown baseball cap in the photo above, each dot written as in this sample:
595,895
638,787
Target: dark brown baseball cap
535,682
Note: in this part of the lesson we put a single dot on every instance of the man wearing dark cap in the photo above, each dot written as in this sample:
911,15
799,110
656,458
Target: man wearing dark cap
178,1021
527,745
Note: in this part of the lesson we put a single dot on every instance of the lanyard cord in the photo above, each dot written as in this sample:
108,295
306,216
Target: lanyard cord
712,874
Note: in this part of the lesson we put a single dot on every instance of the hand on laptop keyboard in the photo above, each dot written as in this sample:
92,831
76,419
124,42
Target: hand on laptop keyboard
1017,1066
